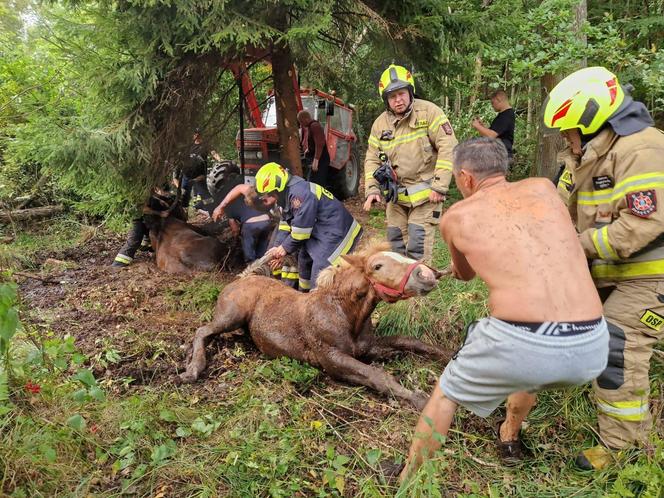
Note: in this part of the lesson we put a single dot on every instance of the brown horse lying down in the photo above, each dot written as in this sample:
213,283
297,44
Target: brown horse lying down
178,246
180,249
330,327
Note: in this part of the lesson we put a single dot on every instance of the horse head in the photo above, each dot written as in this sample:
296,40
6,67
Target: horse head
390,275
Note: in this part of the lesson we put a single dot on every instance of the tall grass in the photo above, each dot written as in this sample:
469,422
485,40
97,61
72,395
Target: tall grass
278,428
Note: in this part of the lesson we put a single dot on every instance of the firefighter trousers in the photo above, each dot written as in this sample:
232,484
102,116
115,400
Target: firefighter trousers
411,230
634,311
138,230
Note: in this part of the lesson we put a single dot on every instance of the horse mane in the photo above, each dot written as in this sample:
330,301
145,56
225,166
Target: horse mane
327,277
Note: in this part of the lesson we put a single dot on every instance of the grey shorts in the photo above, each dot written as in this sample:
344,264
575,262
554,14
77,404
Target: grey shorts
500,358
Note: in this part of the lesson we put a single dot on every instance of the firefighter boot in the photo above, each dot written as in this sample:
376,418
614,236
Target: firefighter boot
121,261
595,458
397,227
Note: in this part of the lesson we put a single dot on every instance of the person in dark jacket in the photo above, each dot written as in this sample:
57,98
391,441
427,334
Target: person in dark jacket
194,174
502,126
312,221
138,236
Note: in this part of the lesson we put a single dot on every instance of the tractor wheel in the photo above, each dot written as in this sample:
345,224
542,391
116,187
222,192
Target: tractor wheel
346,182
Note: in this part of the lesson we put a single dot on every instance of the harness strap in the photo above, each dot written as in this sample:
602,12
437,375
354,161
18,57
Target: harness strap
391,295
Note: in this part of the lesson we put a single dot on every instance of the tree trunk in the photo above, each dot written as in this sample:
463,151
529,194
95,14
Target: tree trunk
457,103
529,113
581,14
25,214
549,145
477,79
286,101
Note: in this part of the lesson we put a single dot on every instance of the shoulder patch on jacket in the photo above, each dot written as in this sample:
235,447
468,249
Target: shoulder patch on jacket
642,203
295,203
447,128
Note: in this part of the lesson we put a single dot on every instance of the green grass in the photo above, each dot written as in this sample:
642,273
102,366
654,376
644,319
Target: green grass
276,428
56,234
199,296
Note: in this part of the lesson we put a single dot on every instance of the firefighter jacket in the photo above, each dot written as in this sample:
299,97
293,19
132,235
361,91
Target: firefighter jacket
419,146
615,190
314,218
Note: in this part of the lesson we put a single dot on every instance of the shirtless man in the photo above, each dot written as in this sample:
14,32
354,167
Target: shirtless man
546,327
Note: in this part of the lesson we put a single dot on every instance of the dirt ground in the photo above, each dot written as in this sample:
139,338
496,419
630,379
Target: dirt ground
135,314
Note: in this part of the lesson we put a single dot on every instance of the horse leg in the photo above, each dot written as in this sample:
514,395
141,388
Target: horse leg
344,367
385,347
225,320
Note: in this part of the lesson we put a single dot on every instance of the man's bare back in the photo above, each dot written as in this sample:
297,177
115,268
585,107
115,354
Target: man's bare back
518,237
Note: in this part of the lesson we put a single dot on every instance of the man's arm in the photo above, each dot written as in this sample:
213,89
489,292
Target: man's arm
641,217
483,130
441,136
235,226
282,233
449,229
236,192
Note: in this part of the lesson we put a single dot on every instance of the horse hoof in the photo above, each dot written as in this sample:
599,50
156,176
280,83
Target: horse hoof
420,400
186,378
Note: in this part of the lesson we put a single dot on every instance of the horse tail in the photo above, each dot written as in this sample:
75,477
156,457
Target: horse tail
258,267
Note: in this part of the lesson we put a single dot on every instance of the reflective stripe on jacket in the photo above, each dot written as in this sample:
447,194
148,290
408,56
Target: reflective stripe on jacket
617,191
420,148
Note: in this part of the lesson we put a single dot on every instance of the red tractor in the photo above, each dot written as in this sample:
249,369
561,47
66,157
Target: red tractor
259,144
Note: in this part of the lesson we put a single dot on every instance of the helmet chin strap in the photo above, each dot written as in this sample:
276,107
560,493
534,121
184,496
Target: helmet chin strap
281,198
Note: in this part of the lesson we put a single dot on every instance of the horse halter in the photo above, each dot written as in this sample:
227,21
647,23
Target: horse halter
390,295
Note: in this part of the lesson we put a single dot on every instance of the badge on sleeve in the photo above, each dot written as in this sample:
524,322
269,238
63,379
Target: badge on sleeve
566,180
642,203
447,128
295,203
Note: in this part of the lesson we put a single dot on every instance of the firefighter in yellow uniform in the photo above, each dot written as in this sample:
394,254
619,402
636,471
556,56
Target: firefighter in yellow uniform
614,184
417,139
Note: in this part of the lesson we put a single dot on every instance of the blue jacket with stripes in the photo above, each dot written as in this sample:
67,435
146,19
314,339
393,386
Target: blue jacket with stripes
313,218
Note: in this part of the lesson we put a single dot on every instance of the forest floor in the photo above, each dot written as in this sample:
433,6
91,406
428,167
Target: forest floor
106,417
